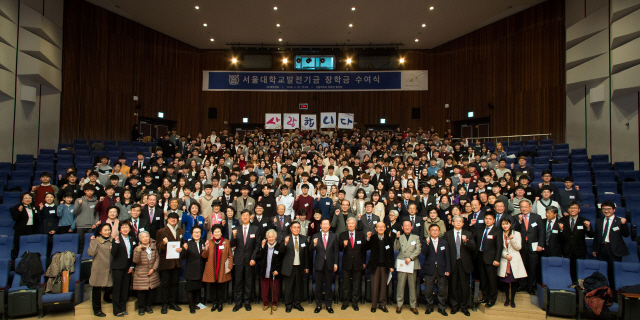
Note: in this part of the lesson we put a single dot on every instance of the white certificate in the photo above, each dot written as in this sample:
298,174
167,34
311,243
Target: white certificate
171,250
403,267
534,246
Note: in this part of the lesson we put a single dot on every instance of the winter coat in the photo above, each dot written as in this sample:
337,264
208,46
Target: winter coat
30,269
61,261
100,250
225,254
142,281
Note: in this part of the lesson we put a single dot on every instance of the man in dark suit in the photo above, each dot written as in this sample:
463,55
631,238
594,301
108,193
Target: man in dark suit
140,163
609,245
574,229
368,220
405,202
461,249
229,223
281,223
553,237
380,264
426,200
121,265
169,268
226,199
476,218
294,264
325,245
530,227
137,223
352,244
152,215
468,185
260,221
500,211
417,222
379,176
488,254
246,240
436,268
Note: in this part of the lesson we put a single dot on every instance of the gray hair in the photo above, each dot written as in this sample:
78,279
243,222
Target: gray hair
457,217
271,231
352,219
144,232
394,212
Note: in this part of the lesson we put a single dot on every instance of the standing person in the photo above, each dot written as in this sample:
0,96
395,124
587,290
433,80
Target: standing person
380,264
217,270
270,258
169,268
194,267
553,237
462,247
281,223
145,275
325,245
436,268
511,266
86,216
294,265
530,226
121,268
488,256
608,244
574,228
136,223
152,215
246,243
24,214
408,246
100,280
354,260
369,219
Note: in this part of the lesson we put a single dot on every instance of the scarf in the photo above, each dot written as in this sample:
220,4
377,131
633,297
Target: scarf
217,254
271,245
508,262
445,206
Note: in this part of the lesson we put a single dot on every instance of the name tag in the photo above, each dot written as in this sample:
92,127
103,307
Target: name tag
535,224
489,236
233,226
157,218
133,243
441,248
417,224
157,177
386,247
579,227
413,243
528,193
480,221
615,228
488,188
306,204
117,194
237,190
254,189
328,203
382,180
53,211
264,224
93,206
286,224
141,229
303,245
572,197
252,236
275,252
221,247
358,242
268,205
524,171
180,236
554,231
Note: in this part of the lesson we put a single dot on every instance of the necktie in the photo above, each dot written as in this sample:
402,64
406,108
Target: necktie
135,227
324,240
351,235
151,215
406,204
245,235
281,224
458,244
526,225
573,223
548,231
412,222
605,231
369,219
486,230
295,243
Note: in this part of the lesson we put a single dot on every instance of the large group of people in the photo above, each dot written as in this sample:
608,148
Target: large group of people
278,206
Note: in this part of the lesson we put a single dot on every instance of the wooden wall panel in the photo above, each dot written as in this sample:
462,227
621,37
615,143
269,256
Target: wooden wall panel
516,63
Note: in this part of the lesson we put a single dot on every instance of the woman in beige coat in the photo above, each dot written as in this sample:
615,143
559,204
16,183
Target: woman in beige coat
100,279
511,266
145,276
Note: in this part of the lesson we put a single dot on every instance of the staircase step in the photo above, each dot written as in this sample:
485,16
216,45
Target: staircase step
521,297
523,310
86,308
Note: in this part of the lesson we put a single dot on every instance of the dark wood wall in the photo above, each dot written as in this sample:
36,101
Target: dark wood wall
516,63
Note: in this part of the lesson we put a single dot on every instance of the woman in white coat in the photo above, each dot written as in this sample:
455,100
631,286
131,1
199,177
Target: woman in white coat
511,267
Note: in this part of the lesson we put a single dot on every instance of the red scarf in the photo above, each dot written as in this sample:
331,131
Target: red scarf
216,258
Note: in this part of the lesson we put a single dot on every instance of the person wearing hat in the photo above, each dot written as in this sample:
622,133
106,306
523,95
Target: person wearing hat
169,268
215,217
217,270
244,202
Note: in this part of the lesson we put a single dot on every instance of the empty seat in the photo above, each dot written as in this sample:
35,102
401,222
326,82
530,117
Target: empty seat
561,174
575,159
516,143
632,175
561,146
578,152
581,175
531,143
607,187
588,200
585,187
124,143
544,153
630,188
589,213
599,166
545,147
584,269
109,142
546,142
529,148
632,201
91,142
581,166
561,152
561,159
6,244
513,149
5,166
64,146
560,167
623,166
541,160
22,184
604,176
65,157
33,243
540,167
556,276
615,198
634,214
24,158
27,166
600,158
65,242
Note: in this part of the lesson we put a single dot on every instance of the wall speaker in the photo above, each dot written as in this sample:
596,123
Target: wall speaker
415,113
213,113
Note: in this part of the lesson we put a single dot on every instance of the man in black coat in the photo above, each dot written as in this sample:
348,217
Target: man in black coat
137,223
532,231
281,223
354,258
260,221
152,215
461,248
609,245
488,254
325,245
294,265
121,265
436,268
246,241
380,264
405,203
574,229
553,237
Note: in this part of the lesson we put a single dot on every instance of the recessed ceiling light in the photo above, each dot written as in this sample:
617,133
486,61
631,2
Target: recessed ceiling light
401,60
416,40
197,7
277,25
205,24
234,60
275,8
350,25
212,39
430,8
280,39
285,60
348,60
424,25
353,8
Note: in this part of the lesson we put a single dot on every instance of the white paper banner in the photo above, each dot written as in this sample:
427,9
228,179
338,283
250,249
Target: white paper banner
291,120
308,122
272,121
327,120
345,121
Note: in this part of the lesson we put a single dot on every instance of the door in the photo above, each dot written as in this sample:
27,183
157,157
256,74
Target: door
161,130
145,128
483,130
466,131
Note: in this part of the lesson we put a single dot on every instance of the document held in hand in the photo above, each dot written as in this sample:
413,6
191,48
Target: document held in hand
171,250
401,266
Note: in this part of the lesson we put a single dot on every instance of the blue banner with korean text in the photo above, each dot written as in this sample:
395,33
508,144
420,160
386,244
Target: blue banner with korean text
315,81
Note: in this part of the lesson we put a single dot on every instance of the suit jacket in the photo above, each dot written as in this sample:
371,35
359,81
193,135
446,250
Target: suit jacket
245,252
330,252
143,225
383,178
225,228
156,223
408,249
574,240
239,205
288,251
224,203
403,210
418,225
365,227
338,222
617,231
479,221
466,249
422,207
353,258
554,249
439,259
119,259
186,203
145,166
284,231
387,252
194,263
166,264
263,225
535,232
21,217
276,261
492,246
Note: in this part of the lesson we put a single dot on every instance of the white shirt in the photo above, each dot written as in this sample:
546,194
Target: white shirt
128,245
287,202
606,239
435,244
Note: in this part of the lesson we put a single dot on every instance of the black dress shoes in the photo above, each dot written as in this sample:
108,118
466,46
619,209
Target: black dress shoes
490,304
466,313
141,312
443,312
288,310
428,311
373,310
483,301
383,309
214,307
317,310
344,307
174,307
329,309
220,307
298,307
356,308
237,307
247,307
99,314
164,309
148,310
453,311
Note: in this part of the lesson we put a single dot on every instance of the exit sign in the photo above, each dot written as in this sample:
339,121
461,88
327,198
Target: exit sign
303,106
